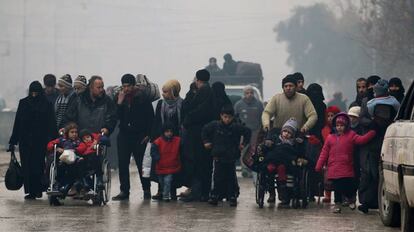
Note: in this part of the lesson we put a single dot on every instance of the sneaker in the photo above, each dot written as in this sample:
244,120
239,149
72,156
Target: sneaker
352,206
186,193
337,208
363,209
233,202
121,197
167,199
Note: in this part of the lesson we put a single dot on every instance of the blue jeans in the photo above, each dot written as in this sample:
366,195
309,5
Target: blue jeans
165,182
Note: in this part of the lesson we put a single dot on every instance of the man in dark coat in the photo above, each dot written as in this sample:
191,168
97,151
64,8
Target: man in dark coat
136,116
51,93
197,113
361,88
34,126
93,109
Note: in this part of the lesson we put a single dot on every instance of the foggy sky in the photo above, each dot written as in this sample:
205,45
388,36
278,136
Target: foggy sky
163,39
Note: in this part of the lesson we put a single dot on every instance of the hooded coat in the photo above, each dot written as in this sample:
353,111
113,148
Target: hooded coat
338,151
34,126
399,95
315,94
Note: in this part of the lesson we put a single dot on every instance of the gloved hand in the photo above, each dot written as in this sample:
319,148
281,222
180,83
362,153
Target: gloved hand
11,148
314,140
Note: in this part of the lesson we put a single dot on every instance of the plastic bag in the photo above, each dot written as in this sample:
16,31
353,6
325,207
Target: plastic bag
147,161
68,157
14,175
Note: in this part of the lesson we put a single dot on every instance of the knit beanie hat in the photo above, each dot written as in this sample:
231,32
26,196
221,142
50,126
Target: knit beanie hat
80,80
291,125
298,76
354,111
66,80
289,79
381,88
84,132
128,79
49,80
342,119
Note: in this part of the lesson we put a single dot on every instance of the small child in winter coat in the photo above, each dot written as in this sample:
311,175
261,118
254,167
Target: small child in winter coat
68,142
166,151
283,153
338,152
330,113
223,138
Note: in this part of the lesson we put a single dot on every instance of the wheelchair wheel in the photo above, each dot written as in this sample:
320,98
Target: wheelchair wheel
306,188
107,181
260,190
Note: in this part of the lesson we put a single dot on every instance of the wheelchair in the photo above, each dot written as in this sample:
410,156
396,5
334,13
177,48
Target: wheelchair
100,195
298,188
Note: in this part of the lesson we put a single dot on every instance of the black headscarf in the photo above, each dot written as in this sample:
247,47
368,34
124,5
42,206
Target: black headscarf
220,97
315,93
399,95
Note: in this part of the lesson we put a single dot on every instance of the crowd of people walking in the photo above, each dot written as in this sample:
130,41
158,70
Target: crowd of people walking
195,142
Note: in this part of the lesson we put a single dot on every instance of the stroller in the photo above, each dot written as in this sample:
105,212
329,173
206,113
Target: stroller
100,196
297,178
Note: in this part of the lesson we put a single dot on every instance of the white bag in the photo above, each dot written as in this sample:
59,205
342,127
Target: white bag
147,161
68,157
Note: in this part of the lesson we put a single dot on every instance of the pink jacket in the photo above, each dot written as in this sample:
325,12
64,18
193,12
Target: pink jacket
338,151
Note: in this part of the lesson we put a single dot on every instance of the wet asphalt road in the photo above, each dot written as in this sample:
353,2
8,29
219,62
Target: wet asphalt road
16,214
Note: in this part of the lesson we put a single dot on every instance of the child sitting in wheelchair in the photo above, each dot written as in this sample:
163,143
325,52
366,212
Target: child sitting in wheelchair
281,152
75,157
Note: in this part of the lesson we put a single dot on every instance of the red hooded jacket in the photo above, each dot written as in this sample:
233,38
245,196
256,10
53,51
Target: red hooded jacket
89,147
338,151
169,152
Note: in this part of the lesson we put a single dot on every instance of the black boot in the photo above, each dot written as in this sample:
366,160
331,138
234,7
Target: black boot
121,197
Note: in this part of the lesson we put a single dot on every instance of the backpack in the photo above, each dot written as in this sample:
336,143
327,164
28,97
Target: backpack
14,174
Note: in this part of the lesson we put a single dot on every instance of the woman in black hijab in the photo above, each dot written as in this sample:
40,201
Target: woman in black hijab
220,98
34,126
314,145
396,88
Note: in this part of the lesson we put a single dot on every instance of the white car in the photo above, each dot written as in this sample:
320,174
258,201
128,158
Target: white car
396,188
